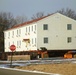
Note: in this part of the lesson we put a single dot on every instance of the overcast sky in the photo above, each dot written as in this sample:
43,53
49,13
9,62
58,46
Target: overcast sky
30,7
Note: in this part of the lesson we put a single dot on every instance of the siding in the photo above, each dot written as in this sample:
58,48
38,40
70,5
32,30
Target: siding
57,33
19,35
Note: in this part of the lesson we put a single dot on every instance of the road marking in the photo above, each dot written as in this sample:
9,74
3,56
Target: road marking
29,71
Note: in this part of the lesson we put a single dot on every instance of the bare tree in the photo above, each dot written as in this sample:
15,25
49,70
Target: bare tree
37,15
7,20
68,12
21,19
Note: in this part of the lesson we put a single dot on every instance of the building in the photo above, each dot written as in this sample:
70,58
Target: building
53,32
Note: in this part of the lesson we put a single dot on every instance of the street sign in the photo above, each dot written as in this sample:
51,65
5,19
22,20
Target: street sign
12,48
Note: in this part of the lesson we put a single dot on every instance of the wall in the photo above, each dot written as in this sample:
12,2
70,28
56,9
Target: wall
57,32
17,37
19,57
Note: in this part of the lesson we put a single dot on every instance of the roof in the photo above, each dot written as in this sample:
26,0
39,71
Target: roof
28,22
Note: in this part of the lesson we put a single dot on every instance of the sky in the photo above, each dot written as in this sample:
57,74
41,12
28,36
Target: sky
31,7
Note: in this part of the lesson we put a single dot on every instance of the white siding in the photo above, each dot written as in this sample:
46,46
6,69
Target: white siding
57,33
16,36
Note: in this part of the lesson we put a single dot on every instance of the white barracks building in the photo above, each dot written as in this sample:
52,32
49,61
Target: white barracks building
54,32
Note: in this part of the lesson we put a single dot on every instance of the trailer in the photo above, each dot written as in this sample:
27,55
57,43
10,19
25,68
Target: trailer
34,54
70,54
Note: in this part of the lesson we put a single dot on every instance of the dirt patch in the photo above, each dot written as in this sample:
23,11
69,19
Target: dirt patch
64,68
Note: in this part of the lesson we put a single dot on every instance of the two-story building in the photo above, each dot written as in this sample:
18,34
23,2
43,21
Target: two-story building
54,32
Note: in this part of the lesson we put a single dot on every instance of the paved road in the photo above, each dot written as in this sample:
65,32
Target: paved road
16,72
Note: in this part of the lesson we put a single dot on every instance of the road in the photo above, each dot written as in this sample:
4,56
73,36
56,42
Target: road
12,71
9,71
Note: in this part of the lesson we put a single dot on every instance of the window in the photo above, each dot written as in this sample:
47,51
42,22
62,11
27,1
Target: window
8,44
29,29
9,34
35,27
32,28
32,40
13,33
13,42
45,27
19,31
69,26
46,40
19,44
35,40
26,29
69,39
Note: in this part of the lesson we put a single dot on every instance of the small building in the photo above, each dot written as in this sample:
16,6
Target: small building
53,32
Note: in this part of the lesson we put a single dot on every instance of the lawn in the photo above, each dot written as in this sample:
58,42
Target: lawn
62,68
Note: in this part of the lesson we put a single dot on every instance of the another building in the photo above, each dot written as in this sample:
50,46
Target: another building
54,32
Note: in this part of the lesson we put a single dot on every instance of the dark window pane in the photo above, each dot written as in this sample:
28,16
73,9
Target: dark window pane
69,27
45,27
45,40
69,39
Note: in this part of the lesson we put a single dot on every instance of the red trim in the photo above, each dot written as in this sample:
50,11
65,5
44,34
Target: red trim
29,22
